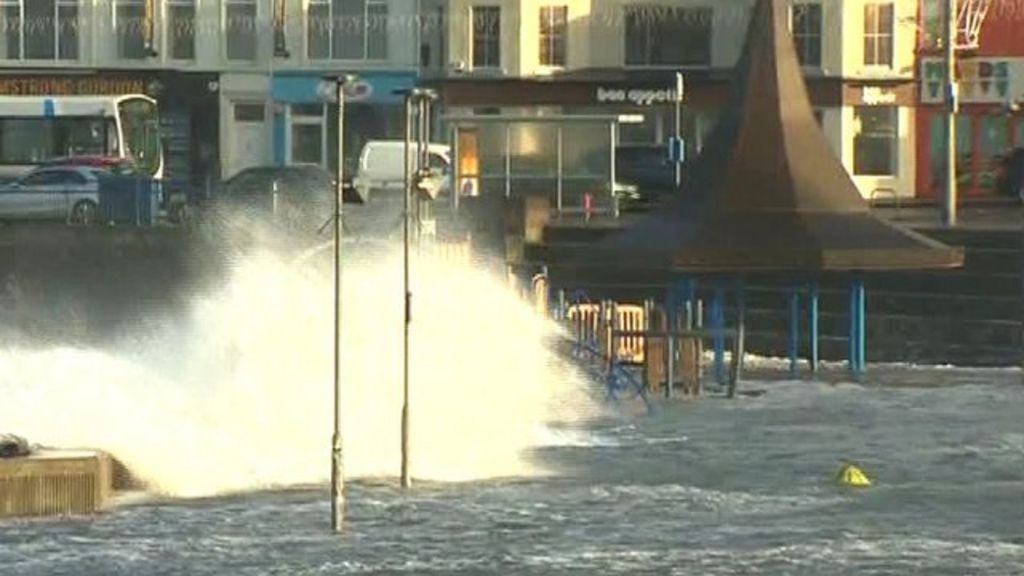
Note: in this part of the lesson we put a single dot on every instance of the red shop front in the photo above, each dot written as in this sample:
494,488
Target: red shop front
989,124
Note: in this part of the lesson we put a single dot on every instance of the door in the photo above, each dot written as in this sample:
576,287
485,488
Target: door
248,145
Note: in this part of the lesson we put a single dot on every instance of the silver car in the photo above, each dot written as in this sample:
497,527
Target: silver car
69,193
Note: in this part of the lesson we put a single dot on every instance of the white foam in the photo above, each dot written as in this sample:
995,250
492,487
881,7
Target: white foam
238,395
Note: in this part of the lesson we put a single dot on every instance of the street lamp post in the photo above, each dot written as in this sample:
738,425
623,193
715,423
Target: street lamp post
337,466
417,124
949,212
678,128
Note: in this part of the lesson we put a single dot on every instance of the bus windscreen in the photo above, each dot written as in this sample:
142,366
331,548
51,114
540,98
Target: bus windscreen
140,125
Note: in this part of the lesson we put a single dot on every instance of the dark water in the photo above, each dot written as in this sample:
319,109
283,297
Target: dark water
708,487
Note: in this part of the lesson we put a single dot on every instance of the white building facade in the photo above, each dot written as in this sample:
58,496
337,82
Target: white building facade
580,55
237,80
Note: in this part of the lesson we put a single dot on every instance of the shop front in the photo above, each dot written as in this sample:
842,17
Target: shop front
868,123
989,124
306,120
187,104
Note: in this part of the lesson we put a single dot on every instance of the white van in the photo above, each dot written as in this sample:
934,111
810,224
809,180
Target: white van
381,168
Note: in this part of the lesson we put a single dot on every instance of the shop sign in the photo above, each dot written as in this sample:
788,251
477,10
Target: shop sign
635,96
67,86
373,88
875,96
980,80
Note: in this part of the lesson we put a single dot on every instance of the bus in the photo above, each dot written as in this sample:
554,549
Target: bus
36,130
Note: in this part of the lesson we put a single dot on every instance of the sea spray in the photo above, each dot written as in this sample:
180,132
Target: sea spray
236,393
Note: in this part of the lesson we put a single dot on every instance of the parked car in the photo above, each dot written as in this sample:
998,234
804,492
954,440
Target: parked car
648,171
69,193
296,195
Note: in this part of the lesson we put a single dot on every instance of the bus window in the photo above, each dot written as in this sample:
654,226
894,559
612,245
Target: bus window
35,140
141,129
25,140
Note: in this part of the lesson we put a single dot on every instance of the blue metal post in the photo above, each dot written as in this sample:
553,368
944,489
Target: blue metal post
813,324
670,342
852,339
794,331
718,317
739,347
861,323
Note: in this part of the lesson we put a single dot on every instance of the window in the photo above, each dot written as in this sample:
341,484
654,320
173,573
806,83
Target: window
181,24
806,27
39,29
280,21
486,37
878,31
308,141
667,35
249,112
130,23
348,29
240,29
554,31
876,145
34,140
932,12
40,179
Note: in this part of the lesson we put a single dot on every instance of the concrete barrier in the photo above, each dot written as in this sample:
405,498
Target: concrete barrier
55,483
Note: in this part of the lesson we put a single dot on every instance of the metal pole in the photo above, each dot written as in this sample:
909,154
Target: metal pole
794,331
949,214
406,480
337,467
813,327
558,190
273,199
852,339
678,123
456,180
613,137
861,326
739,346
508,161
718,318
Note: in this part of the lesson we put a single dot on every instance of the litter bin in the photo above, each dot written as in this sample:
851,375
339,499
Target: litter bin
130,200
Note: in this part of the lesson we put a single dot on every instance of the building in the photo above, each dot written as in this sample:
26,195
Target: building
615,56
237,80
990,121
64,47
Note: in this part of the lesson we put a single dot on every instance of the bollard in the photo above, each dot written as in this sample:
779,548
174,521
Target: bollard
273,199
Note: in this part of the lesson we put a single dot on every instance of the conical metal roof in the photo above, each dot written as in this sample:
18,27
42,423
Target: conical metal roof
767,192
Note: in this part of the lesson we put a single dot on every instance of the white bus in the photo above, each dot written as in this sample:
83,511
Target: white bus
37,129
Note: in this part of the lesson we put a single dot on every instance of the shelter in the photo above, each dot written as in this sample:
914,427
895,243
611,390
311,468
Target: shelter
767,194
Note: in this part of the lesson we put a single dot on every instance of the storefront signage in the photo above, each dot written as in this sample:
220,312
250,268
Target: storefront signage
62,86
370,88
875,96
635,96
981,80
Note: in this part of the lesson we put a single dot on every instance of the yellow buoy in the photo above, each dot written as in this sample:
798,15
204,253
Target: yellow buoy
850,475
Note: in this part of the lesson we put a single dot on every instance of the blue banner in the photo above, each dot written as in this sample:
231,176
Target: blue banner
371,88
